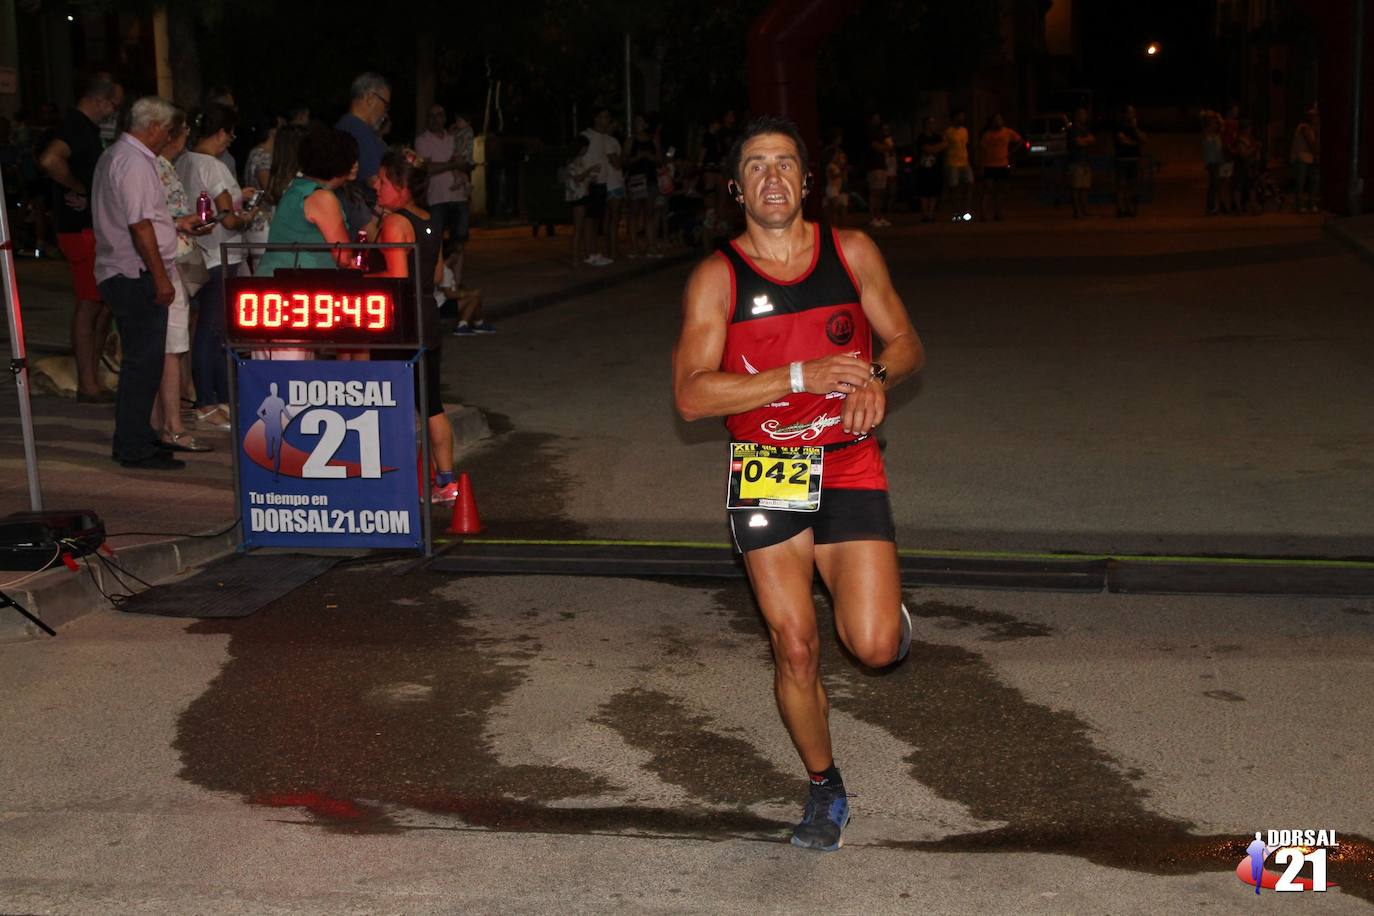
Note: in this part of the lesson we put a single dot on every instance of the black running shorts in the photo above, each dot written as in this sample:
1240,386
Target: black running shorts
844,515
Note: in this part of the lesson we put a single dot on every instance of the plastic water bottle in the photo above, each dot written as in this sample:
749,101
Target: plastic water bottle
360,256
205,209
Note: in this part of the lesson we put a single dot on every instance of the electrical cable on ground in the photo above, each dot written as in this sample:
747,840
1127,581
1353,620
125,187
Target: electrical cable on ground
56,554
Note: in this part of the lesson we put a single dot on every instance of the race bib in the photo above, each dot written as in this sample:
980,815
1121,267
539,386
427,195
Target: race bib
786,477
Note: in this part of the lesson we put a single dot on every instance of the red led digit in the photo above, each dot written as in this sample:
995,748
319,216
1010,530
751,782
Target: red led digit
248,310
353,309
300,312
271,310
324,311
376,311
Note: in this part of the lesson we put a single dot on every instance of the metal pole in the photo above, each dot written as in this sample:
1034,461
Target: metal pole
18,362
1355,191
629,93
426,506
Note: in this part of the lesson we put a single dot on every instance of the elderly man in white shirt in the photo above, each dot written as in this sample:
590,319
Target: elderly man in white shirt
135,251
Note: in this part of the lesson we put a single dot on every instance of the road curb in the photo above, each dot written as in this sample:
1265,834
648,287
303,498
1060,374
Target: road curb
1343,232
58,596
522,304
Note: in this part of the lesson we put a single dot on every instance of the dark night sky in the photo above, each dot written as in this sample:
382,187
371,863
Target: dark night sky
1114,60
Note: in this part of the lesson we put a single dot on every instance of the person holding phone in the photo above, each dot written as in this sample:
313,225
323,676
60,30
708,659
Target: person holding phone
201,170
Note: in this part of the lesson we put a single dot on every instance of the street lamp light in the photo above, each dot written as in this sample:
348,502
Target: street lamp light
1152,49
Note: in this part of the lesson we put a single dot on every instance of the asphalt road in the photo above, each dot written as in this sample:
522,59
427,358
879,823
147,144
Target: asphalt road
1201,389
419,743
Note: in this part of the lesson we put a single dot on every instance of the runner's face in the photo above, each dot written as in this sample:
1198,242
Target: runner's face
771,175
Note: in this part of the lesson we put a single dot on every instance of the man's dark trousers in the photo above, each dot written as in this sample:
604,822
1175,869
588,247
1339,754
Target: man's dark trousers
143,334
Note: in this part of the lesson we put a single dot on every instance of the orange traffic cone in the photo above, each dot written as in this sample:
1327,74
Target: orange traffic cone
465,517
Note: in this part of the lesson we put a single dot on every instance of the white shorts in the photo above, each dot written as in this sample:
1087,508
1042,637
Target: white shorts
178,317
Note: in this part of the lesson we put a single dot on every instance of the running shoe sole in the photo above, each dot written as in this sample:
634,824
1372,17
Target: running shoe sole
837,844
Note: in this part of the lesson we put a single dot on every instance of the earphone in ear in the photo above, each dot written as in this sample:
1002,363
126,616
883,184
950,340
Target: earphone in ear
734,190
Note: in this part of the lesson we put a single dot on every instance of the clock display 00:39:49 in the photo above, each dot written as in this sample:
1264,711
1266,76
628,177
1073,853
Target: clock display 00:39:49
313,311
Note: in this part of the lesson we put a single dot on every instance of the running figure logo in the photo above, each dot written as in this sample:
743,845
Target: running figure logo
1258,852
275,418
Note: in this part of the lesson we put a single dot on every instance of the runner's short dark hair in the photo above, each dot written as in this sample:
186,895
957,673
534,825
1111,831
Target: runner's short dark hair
766,124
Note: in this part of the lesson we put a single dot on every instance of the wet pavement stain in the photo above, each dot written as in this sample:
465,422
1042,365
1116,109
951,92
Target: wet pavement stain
982,744
520,484
352,712
687,752
1001,626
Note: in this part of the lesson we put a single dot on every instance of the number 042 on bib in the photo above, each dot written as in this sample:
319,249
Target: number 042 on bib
786,477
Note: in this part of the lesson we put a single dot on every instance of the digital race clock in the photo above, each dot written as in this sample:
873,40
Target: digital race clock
322,307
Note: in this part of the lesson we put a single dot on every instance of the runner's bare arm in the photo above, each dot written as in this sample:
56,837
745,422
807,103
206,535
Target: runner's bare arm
902,355
701,389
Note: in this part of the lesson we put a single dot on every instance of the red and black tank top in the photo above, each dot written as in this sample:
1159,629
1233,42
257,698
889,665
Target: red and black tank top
774,322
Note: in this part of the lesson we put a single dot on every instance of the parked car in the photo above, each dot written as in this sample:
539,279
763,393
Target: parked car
1046,135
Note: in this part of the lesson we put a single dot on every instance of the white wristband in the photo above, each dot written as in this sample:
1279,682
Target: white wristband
798,383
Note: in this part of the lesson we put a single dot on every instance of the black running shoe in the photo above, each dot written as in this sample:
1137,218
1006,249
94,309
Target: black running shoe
823,820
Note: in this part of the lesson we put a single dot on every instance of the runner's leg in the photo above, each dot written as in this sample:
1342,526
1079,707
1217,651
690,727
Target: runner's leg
866,588
781,576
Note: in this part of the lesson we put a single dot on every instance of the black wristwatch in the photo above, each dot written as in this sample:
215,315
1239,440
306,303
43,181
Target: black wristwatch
879,372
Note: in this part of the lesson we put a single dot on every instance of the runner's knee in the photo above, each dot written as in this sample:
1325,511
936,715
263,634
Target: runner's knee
876,647
797,654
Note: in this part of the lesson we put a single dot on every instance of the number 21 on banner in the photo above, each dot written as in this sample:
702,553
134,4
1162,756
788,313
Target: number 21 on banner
1294,857
331,427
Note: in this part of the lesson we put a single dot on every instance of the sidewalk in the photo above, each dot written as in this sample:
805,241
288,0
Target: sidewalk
160,524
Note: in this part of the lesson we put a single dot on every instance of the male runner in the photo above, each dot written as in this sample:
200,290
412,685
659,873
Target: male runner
777,337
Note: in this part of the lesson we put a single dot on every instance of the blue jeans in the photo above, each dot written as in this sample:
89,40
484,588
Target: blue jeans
209,371
143,335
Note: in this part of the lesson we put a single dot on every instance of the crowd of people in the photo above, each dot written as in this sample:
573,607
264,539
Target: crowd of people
143,207
1239,180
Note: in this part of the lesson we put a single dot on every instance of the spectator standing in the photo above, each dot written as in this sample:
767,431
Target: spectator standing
1230,136
223,95
401,183
69,161
1078,143
203,171
615,189
596,160
641,162
167,408
135,253
958,167
714,148
577,176
369,102
1213,159
1306,163
995,149
929,145
1248,165
875,168
307,211
437,146
1130,140
257,171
